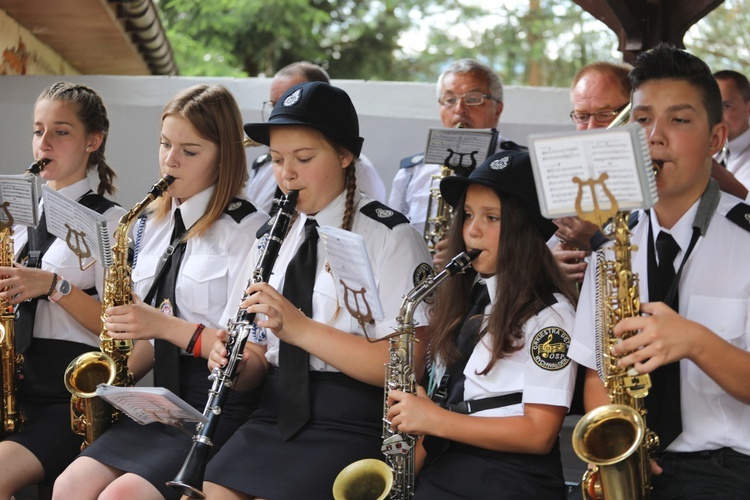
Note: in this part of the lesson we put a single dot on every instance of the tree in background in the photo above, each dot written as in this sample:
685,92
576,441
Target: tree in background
722,38
529,42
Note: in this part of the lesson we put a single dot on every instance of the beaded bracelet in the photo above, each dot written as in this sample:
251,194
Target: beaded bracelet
195,338
53,285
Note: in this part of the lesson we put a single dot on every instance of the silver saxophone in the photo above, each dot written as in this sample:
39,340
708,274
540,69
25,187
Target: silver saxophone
394,478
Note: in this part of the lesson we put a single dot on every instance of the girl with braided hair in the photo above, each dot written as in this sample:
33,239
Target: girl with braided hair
313,135
59,309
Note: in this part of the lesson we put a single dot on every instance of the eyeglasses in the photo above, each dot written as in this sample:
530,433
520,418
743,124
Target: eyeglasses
601,117
469,98
265,111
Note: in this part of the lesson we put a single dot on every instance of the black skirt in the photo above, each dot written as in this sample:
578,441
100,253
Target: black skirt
345,426
463,471
45,401
156,451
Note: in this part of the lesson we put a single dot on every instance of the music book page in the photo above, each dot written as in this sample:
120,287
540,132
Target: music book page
347,257
460,147
83,229
146,405
20,194
615,160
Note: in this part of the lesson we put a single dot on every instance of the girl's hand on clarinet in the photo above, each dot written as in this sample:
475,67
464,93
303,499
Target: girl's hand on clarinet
217,358
275,312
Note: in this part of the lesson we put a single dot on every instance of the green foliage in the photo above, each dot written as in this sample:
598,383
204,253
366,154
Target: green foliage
722,38
529,42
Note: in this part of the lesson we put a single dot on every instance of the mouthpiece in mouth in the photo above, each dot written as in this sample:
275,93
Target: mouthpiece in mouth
657,165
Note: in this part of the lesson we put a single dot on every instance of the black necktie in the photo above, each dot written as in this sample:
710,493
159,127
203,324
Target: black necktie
294,363
39,240
166,354
663,402
466,340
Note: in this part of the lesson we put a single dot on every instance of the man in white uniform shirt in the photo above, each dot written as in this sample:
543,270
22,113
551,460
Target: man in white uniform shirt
261,185
735,96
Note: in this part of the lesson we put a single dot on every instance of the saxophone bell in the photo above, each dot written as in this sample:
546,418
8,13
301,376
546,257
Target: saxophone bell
371,479
90,416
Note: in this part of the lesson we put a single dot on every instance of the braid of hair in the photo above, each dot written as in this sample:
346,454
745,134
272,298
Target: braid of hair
351,188
106,174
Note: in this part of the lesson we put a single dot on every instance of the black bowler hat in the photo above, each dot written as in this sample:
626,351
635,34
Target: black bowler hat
508,173
318,105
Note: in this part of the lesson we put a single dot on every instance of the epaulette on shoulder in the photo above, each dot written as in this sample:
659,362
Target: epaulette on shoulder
97,202
383,214
261,160
512,146
265,227
238,209
412,161
740,215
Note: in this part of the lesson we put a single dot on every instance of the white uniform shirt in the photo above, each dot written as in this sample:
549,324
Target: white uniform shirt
540,369
261,185
714,291
738,161
52,322
209,267
394,255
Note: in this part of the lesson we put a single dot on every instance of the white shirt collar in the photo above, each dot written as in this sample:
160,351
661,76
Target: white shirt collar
194,207
682,231
77,189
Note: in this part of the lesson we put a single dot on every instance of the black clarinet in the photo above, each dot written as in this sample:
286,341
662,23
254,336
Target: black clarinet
190,478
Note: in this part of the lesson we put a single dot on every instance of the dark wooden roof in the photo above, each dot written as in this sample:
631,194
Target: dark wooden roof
642,24
108,37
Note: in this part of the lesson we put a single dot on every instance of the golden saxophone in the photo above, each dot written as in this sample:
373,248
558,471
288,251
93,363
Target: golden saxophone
90,416
614,437
10,361
439,217
371,479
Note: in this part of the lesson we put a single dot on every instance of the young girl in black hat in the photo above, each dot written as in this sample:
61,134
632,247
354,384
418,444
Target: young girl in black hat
500,379
313,136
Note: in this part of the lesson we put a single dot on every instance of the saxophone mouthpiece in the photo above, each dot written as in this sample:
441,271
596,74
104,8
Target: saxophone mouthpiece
168,179
38,166
657,164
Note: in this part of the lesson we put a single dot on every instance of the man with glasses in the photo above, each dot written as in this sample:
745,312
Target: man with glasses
469,95
261,187
600,91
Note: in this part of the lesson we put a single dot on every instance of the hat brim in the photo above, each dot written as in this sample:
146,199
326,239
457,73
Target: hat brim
261,133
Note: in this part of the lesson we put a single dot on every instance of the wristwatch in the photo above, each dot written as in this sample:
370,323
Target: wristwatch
62,288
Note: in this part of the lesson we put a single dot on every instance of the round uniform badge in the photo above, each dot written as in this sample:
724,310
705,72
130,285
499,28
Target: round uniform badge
294,98
234,206
549,348
166,307
383,213
501,163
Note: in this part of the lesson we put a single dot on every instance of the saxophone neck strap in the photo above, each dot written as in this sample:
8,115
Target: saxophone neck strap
477,405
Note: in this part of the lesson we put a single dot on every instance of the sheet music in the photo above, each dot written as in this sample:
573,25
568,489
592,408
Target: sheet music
474,144
558,158
20,192
347,257
80,227
146,405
